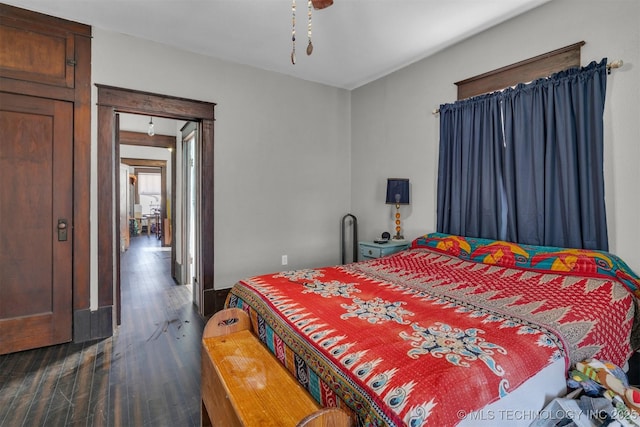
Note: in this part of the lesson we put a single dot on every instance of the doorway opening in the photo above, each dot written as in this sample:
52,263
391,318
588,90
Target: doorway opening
144,205
159,188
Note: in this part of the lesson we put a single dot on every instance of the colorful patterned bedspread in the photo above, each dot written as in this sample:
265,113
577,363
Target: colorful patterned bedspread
449,325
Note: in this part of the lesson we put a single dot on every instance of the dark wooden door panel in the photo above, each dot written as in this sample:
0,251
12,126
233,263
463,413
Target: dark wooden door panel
36,155
43,55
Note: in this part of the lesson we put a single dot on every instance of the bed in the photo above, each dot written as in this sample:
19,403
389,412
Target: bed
450,331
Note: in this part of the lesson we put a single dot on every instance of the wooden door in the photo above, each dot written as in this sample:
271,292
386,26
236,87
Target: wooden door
36,197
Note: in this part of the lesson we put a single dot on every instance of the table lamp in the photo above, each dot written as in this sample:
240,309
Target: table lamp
398,194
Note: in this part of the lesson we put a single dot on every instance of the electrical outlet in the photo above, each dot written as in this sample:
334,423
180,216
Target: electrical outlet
284,260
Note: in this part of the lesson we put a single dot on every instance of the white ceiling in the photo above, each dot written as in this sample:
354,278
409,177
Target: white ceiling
355,41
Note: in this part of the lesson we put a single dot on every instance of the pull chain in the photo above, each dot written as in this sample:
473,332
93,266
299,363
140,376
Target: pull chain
293,32
310,45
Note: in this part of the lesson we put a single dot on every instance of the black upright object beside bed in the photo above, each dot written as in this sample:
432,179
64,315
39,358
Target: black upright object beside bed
343,236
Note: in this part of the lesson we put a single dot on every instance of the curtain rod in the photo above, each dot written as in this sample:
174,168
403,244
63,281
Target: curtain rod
610,66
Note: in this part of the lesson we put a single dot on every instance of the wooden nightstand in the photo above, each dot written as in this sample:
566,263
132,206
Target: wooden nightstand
371,250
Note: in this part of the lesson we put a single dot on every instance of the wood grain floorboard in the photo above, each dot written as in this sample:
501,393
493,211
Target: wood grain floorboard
37,413
147,374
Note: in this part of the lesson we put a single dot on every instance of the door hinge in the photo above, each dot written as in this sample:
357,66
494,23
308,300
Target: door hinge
72,62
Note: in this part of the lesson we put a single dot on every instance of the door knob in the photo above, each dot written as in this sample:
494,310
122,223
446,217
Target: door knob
62,230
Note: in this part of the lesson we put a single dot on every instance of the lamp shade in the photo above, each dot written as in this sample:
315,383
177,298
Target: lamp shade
397,191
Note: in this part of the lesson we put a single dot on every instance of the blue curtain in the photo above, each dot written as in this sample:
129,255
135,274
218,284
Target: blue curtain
545,175
469,170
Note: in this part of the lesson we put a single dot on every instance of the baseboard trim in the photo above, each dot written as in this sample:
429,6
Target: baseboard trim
177,268
214,300
92,325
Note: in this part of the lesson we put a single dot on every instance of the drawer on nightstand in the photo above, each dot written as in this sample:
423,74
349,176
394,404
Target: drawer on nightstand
370,252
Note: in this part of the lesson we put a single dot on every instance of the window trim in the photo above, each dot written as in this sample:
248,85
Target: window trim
520,72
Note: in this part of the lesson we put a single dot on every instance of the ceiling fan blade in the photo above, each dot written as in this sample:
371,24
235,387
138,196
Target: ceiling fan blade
321,4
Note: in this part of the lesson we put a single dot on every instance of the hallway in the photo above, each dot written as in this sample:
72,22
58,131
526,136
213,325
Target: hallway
147,374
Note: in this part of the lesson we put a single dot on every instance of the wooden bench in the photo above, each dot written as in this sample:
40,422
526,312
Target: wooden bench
243,384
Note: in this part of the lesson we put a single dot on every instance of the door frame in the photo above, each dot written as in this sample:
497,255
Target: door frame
114,100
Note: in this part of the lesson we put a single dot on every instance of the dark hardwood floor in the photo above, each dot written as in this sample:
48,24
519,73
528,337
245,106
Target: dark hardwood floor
147,374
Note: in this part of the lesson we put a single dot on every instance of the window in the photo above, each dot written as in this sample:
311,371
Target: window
149,184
